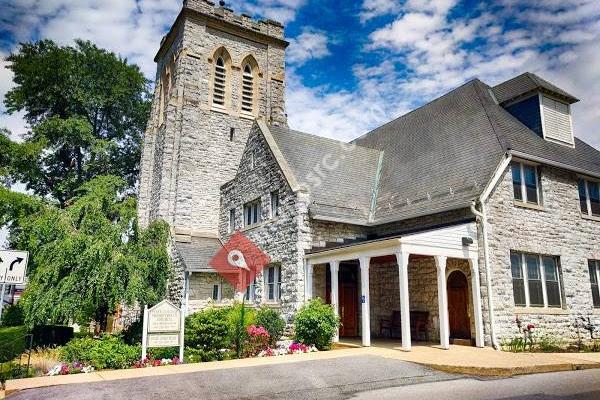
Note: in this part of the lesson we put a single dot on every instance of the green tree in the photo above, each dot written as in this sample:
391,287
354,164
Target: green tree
87,109
88,257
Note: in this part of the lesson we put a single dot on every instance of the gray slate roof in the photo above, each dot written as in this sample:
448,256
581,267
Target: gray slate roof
528,83
436,158
197,253
344,191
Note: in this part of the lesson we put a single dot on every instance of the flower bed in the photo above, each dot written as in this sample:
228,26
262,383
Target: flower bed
70,368
287,347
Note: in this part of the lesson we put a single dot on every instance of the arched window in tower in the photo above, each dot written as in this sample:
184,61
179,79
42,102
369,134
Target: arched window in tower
220,82
248,90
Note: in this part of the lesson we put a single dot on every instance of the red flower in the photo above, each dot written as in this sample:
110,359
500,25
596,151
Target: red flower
530,327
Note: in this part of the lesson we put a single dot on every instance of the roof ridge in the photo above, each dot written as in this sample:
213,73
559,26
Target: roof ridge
502,139
336,141
418,108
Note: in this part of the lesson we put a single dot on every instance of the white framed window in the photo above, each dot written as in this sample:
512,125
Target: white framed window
231,227
216,292
220,82
272,283
248,90
594,268
252,213
251,291
526,183
589,197
274,204
536,280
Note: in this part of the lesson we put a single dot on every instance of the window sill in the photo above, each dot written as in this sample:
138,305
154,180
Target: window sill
250,227
219,109
596,311
530,206
247,116
590,217
272,304
541,310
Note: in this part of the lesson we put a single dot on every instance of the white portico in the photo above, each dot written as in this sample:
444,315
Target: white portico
408,255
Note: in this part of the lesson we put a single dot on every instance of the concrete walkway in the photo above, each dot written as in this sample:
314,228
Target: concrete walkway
458,359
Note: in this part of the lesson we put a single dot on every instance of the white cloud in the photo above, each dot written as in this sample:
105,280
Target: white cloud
375,8
283,11
310,44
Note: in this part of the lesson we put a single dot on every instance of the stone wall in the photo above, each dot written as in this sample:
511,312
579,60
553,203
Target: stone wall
190,153
558,230
279,237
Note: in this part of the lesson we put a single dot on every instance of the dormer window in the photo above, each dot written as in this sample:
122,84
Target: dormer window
538,104
556,120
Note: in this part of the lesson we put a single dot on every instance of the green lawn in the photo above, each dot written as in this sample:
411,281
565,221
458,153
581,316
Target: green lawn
12,342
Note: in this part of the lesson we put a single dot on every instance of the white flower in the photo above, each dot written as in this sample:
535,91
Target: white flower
55,370
87,369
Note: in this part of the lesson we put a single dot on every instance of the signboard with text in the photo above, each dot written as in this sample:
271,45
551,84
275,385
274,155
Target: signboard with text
162,327
13,266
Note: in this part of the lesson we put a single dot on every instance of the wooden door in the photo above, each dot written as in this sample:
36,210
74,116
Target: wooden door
458,306
348,309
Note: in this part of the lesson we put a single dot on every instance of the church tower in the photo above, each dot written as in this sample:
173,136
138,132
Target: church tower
216,73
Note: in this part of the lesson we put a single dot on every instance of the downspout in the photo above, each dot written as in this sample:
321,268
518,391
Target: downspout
481,216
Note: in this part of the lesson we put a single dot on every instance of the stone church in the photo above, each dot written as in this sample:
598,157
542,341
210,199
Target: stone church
443,225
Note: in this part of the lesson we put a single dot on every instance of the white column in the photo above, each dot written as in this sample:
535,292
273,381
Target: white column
475,288
308,294
440,262
402,259
365,304
334,268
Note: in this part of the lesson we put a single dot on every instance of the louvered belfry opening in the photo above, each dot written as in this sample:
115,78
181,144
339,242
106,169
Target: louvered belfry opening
220,79
247,89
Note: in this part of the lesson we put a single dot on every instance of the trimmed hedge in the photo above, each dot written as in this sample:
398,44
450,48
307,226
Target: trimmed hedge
315,324
107,352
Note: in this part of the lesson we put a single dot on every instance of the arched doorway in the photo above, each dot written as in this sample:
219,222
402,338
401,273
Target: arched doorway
458,306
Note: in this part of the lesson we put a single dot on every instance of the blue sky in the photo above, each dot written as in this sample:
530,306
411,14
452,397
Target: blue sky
353,65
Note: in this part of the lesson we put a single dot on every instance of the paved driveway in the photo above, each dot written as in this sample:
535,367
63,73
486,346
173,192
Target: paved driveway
319,379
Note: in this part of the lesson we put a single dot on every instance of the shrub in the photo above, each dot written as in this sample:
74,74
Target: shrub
160,353
207,333
240,318
51,335
315,324
12,342
272,321
107,352
13,316
133,333
258,341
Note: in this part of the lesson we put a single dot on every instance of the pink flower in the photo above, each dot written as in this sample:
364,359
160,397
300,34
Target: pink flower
257,331
530,327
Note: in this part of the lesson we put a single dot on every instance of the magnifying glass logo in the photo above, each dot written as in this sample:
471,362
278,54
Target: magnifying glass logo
236,258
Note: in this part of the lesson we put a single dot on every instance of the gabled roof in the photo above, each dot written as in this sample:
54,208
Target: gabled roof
436,158
198,252
527,83
340,177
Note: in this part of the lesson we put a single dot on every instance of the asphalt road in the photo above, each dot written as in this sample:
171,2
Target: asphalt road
357,377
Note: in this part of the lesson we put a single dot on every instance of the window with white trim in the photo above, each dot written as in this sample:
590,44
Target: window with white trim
251,291
526,183
272,283
536,280
248,90
252,213
589,197
594,268
232,220
216,293
274,204
220,82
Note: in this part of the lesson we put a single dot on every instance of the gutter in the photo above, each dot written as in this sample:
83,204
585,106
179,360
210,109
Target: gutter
482,217
557,164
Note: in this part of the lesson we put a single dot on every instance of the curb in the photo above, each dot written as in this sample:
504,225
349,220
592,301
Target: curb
510,371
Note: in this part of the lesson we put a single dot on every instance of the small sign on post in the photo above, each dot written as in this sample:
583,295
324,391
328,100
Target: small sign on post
163,326
13,266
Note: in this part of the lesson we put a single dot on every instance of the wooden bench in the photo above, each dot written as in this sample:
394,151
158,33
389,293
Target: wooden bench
419,325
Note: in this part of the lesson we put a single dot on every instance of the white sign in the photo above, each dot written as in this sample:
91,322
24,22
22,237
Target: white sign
13,266
163,339
164,317
163,326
